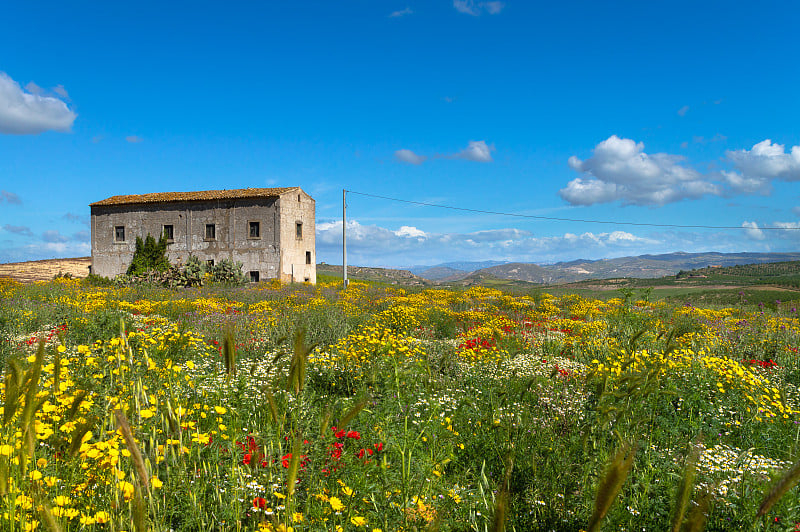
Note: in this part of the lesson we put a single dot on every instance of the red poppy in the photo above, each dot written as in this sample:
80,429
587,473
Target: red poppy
259,502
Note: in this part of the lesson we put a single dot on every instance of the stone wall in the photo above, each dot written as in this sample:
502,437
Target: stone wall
298,252
231,239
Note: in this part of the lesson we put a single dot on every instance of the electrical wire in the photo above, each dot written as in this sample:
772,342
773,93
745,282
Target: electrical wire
579,220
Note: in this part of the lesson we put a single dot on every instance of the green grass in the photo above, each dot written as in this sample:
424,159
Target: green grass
569,412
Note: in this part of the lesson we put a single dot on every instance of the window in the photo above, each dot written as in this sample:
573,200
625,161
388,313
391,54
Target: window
119,233
298,230
210,263
168,232
211,232
308,257
255,230
253,277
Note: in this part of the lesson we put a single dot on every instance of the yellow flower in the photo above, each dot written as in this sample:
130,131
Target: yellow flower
358,521
35,475
101,517
155,483
6,450
220,410
146,413
127,489
336,504
62,500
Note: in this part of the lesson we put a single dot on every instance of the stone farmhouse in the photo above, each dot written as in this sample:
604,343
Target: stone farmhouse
269,230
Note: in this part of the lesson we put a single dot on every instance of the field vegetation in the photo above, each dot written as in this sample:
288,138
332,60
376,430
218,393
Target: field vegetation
298,407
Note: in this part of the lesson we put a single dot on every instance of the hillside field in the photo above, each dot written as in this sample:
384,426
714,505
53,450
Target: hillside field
297,407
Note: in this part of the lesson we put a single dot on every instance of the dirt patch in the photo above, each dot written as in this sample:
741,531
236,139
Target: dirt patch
44,270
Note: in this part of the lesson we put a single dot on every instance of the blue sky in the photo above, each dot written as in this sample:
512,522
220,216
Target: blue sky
667,113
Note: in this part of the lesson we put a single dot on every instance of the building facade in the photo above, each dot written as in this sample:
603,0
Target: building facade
269,230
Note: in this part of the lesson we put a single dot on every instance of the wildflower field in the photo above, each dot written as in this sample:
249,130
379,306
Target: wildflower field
297,407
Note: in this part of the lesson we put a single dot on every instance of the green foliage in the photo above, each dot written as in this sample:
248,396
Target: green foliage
150,255
227,271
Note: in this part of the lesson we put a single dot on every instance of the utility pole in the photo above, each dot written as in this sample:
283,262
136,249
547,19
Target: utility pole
344,238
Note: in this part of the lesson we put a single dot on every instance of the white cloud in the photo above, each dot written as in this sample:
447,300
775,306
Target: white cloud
411,232
61,91
54,237
493,8
18,230
375,245
619,169
10,197
683,110
788,225
767,161
33,88
30,113
476,151
745,185
133,139
401,13
409,157
76,218
470,7
752,231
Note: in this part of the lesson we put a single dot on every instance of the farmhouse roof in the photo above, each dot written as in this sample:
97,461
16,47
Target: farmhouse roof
205,195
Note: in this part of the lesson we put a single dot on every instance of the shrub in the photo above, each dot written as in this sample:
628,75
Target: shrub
149,256
227,271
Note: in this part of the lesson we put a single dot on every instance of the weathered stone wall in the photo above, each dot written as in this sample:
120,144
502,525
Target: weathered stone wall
298,254
232,239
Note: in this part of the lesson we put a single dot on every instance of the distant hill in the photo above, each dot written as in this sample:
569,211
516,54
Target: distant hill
44,270
381,275
443,273
642,266
437,271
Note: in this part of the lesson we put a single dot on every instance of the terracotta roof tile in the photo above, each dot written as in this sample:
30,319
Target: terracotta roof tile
205,195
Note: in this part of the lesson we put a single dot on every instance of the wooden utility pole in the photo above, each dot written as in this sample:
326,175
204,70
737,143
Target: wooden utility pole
344,238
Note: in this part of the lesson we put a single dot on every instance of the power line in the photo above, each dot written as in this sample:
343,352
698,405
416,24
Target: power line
579,220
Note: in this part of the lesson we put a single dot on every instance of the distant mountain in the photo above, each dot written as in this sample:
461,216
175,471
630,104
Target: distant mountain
642,266
442,273
521,271
436,271
382,275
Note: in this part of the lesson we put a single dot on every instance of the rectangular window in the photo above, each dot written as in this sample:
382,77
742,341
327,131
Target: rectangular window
298,230
168,232
255,230
119,233
308,257
211,232
253,277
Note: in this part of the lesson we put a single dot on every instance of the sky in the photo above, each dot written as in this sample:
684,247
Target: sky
664,113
